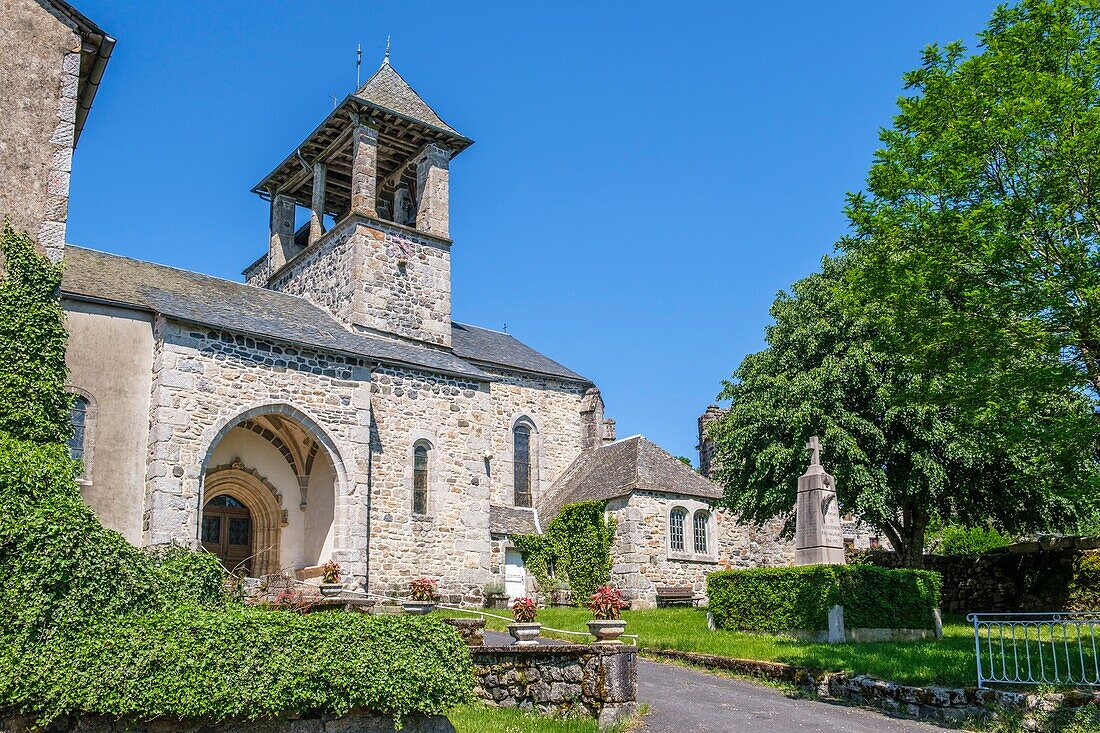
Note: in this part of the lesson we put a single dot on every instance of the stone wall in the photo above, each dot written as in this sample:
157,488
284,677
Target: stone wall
205,382
599,681
377,276
354,721
39,65
643,560
450,542
1032,576
553,405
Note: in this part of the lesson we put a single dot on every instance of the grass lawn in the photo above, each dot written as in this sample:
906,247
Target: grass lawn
481,718
949,661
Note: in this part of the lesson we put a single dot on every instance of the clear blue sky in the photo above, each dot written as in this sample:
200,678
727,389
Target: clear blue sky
646,176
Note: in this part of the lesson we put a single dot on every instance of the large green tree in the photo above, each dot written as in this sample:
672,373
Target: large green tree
899,466
979,232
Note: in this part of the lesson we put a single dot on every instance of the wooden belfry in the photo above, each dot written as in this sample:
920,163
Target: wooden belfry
818,538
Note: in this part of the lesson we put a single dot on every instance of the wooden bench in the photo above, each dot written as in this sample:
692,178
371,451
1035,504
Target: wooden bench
670,595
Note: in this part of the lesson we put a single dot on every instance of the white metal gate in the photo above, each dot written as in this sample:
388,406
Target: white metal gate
1037,648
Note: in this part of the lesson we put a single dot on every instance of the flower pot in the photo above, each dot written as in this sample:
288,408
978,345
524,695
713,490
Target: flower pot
496,600
525,634
418,608
607,631
331,590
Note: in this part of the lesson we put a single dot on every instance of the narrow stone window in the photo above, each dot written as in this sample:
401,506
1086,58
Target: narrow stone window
699,524
521,441
79,419
676,530
420,479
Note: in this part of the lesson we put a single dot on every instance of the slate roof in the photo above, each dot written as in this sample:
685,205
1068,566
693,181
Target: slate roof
511,520
389,90
502,349
619,468
224,304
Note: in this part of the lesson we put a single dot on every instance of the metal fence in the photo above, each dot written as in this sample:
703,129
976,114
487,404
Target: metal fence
1037,648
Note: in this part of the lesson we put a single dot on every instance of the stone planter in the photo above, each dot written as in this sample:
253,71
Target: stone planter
331,590
496,601
561,597
607,631
525,634
418,608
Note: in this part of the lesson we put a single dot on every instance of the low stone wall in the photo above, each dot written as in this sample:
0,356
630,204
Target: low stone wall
356,721
1030,576
600,681
942,704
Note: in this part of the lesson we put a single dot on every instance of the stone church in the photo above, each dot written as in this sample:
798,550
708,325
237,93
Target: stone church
328,406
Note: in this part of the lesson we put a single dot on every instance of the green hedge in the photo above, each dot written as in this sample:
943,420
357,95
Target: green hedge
781,599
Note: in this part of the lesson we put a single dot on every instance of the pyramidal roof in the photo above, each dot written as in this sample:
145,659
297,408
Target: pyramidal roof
388,89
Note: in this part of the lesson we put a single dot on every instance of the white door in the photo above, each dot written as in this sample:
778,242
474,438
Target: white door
515,576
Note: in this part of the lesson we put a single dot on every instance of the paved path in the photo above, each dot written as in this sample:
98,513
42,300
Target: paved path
683,700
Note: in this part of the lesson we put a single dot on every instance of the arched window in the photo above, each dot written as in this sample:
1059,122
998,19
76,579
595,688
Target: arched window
700,522
521,457
420,479
78,416
676,529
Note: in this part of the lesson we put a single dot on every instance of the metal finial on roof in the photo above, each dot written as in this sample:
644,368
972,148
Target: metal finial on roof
386,59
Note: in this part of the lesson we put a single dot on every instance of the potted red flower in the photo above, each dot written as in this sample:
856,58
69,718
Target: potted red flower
330,579
424,593
525,630
606,604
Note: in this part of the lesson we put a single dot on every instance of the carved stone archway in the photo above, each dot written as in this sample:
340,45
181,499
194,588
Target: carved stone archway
263,501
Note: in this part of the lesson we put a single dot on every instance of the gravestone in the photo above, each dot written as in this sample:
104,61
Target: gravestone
818,538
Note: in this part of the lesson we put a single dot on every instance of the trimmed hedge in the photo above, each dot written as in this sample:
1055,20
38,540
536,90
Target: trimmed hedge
782,599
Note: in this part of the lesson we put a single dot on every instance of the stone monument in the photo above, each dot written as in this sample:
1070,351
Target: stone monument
818,538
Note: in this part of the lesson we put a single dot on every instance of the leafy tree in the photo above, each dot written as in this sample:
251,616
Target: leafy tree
980,229
898,466
33,402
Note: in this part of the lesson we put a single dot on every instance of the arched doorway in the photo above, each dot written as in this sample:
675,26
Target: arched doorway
227,532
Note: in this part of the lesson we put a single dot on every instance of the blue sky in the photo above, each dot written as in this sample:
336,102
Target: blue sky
647,176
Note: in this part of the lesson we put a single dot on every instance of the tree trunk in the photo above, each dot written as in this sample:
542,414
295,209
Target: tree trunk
907,537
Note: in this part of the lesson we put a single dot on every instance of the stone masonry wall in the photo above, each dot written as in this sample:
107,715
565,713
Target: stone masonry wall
566,679
450,542
553,405
641,554
1031,576
39,66
377,276
205,381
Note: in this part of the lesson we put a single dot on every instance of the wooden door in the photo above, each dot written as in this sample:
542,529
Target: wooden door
227,532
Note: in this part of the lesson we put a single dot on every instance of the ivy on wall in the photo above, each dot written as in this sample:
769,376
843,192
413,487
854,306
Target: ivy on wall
576,546
91,624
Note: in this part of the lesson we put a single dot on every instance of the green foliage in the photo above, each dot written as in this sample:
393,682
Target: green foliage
900,466
979,234
241,662
35,405
1084,585
955,539
186,577
576,544
780,599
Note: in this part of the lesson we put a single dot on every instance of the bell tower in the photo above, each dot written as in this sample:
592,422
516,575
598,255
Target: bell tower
375,178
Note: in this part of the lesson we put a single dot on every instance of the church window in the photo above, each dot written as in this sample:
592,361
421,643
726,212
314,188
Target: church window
420,479
79,419
521,442
676,529
699,529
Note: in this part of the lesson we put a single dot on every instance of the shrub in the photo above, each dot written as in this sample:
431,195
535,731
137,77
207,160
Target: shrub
958,540
524,610
330,572
240,662
780,599
577,543
606,603
1084,586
